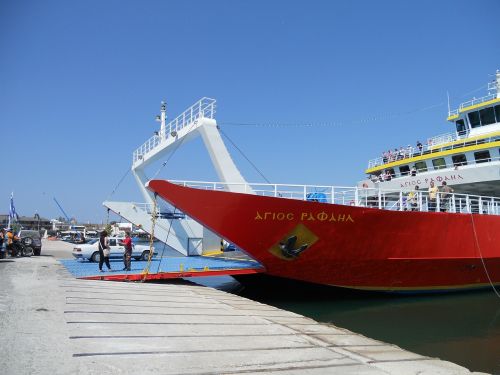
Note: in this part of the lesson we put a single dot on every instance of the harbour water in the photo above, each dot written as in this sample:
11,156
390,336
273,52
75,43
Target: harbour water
463,328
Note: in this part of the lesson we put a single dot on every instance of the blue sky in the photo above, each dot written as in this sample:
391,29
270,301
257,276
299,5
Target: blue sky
81,83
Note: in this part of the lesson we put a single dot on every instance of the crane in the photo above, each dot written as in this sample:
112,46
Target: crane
62,210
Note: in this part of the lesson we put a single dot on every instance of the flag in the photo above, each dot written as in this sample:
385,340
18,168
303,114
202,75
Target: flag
12,210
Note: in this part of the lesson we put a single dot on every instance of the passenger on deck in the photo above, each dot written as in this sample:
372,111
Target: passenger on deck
409,152
385,157
413,199
433,191
420,146
446,192
392,155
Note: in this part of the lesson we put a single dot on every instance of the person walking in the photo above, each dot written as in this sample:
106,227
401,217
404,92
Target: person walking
104,250
127,255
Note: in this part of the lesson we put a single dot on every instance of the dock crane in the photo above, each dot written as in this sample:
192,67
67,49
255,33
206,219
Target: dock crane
71,226
62,210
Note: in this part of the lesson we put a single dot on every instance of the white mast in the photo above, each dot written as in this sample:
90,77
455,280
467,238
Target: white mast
197,121
163,117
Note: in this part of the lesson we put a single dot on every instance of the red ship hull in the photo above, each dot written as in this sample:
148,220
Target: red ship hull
346,246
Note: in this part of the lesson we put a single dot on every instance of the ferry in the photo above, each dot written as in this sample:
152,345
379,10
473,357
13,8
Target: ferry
467,159
383,234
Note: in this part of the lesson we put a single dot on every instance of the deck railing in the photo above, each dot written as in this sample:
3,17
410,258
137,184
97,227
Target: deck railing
432,146
395,200
442,168
473,101
203,108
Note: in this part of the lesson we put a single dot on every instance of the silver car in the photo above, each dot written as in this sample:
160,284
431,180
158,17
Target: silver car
90,250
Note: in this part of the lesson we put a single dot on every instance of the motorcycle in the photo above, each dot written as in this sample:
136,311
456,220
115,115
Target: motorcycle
22,248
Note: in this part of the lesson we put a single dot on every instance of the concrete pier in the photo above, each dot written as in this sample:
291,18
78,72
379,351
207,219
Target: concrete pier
52,323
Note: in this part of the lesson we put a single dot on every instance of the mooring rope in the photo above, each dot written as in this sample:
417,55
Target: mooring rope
145,272
481,256
165,243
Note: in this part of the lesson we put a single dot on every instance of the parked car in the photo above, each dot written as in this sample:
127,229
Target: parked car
31,238
90,250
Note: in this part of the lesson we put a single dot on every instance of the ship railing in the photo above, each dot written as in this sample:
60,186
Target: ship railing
203,108
410,151
441,139
431,147
423,201
474,101
443,167
394,200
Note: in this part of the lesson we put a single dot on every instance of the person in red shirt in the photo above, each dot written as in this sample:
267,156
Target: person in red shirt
127,255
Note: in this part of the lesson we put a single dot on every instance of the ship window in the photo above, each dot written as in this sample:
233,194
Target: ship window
404,170
439,163
497,112
421,166
461,130
390,171
487,116
482,156
459,159
474,119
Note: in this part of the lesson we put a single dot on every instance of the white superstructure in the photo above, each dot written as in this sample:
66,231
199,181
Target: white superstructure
467,159
182,234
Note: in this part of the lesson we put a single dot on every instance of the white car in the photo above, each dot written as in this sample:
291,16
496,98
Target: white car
90,250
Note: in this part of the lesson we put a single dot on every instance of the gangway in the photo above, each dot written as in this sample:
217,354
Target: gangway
182,234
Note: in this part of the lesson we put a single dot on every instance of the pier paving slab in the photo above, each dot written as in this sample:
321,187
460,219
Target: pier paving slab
52,323
311,328
383,353
346,339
